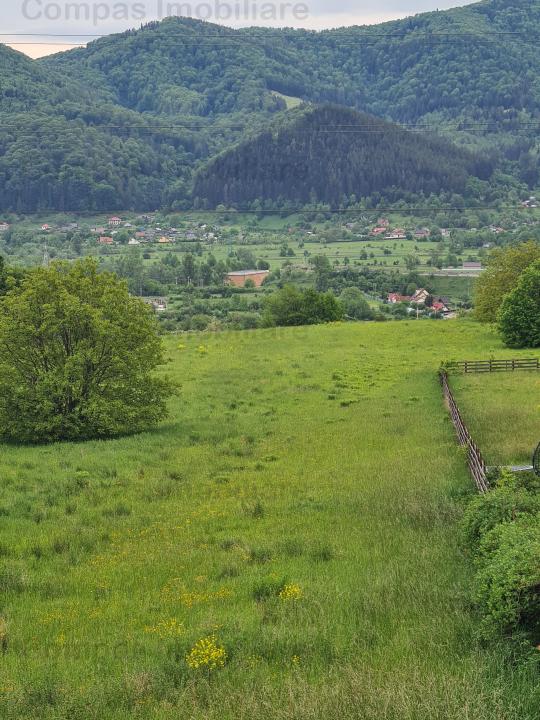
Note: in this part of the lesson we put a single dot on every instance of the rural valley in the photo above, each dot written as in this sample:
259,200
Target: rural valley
270,370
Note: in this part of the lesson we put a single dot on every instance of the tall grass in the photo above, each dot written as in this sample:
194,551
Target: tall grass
320,459
502,411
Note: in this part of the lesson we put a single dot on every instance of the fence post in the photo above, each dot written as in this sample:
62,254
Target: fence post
475,461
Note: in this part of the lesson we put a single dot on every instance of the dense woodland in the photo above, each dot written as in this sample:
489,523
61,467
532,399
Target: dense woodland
125,122
336,155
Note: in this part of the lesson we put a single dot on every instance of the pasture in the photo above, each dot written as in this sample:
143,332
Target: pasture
297,513
502,412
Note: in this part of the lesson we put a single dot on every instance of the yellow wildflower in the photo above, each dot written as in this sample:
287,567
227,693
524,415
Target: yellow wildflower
206,653
290,592
166,628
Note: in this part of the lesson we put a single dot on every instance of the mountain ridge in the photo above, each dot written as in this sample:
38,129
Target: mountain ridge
172,95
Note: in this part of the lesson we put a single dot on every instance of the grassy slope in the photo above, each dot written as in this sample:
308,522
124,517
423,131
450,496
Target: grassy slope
261,476
503,413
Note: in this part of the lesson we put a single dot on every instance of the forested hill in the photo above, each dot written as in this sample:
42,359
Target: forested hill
127,121
335,155
476,61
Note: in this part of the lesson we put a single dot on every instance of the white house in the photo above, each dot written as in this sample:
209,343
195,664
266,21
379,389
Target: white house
420,296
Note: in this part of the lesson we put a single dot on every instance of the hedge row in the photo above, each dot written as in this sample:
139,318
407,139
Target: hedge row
501,531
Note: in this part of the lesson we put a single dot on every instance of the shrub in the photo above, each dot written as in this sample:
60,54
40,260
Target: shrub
508,579
291,306
355,304
504,504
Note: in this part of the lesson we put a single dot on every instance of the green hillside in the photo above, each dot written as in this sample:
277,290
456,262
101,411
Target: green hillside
172,95
332,153
300,506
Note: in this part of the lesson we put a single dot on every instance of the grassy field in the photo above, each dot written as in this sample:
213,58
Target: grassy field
502,411
300,507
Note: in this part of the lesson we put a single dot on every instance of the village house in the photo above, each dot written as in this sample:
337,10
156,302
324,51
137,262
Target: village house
240,277
46,228
383,222
395,298
441,305
422,233
115,221
134,241
163,240
140,234
105,240
4,227
397,234
378,231
420,296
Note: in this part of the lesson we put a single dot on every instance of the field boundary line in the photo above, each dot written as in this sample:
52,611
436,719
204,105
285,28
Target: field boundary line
481,366
475,460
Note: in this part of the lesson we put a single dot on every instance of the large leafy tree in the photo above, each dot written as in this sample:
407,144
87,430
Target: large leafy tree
519,316
77,355
503,271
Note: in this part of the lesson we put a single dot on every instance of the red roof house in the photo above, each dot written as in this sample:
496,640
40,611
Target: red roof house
394,298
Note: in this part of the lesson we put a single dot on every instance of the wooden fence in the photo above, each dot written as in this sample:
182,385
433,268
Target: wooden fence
488,366
477,466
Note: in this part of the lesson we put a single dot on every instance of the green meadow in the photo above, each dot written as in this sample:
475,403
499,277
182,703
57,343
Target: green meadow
502,411
298,510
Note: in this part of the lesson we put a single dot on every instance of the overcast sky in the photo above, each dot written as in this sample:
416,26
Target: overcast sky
102,17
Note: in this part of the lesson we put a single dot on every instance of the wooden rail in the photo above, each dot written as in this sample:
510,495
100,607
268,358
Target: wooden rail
475,461
484,366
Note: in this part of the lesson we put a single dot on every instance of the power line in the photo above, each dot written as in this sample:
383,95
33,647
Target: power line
363,211
338,38
330,129
290,32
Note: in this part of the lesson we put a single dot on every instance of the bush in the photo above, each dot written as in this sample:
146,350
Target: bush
200,322
504,504
502,529
291,306
76,357
244,320
508,580
355,304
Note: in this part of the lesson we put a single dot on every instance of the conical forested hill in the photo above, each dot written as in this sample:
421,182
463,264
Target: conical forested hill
128,120
331,154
